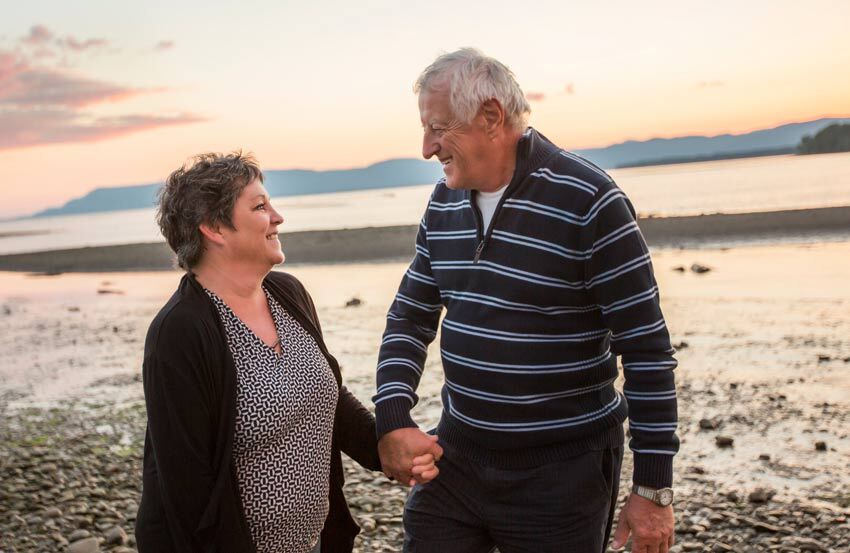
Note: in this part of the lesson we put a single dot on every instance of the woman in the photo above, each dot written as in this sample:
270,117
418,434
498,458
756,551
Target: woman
247,413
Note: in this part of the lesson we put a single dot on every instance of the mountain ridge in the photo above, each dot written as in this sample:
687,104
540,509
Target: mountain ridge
410,171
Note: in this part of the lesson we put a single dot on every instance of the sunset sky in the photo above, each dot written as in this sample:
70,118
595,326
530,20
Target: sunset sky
105,93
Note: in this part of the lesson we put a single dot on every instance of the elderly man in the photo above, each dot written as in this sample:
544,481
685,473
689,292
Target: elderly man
536,256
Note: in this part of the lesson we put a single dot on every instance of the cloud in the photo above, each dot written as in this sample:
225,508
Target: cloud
535,96
28,87
39,35
41,104
20,129
164,45
75,45
710,84
569,89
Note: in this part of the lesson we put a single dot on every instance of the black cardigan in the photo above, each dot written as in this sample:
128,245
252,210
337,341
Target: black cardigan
190,499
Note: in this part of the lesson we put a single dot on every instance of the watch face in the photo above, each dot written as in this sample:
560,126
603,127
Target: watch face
665,496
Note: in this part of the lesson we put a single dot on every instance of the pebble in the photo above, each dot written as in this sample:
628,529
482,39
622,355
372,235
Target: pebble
86,545
115,536
724,441
820,446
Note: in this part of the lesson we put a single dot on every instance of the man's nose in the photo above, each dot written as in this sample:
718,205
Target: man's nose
430,147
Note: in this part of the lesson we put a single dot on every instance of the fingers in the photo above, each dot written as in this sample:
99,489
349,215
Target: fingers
621,534
436,448
426,459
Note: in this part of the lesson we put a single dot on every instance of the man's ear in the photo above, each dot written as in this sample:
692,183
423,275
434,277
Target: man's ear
494,116
211,233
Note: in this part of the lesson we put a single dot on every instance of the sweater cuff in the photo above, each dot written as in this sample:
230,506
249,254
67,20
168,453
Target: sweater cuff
392,414
654,471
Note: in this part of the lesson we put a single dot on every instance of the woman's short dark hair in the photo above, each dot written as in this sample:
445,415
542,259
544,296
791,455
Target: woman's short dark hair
204,190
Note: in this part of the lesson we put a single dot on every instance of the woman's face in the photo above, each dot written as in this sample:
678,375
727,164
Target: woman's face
254,239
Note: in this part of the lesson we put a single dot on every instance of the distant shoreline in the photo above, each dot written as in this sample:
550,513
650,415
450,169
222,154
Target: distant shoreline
396,242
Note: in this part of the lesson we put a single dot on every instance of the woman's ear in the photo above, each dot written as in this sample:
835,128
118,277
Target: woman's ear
211,233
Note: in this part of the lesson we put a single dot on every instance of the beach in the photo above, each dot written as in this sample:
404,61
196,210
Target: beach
763,340
381,243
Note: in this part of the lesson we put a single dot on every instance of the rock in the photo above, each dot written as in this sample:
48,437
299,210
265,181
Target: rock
681,345
720,546
115,536
77,535
699,269
823,358
53,512
709,424
86,545
724,441
354,302
679,269
820,446
760,495
764,457
691,546
809,544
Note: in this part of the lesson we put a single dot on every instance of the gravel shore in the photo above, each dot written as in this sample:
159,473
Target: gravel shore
763,340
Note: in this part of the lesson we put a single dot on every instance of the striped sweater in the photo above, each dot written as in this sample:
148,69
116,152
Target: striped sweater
537,309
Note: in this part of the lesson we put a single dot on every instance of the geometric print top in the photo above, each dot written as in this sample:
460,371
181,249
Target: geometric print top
284,421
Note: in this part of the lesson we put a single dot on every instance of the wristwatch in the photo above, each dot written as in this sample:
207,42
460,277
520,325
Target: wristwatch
662,497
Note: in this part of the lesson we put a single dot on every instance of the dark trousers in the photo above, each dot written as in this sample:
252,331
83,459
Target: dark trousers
561,507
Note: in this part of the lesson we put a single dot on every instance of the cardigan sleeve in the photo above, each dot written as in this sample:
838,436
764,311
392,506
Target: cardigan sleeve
181,429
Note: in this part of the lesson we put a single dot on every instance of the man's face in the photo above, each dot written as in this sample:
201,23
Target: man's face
464,149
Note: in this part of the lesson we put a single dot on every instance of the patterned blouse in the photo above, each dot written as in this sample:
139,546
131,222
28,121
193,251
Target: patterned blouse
284,421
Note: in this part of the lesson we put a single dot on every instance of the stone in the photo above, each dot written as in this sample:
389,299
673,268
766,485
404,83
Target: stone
724,441
764,457
760,495
115,536
86,545
709,424
354,302
699,269
79,534
53,512
820,446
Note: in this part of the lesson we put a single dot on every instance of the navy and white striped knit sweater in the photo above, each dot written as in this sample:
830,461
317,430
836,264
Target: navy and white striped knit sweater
538,306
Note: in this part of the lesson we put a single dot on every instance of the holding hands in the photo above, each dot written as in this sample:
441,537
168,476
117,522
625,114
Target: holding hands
409,455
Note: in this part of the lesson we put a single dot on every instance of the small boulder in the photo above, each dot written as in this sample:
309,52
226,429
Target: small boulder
354,302
699,269
820,446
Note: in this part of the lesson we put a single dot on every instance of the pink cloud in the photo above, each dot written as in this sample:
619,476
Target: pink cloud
43,105
19,129
39,34
164,45
569,89
535,96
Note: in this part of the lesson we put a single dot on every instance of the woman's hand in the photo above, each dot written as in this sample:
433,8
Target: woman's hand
424,469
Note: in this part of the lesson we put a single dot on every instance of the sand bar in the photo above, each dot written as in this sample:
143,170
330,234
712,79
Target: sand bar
396,242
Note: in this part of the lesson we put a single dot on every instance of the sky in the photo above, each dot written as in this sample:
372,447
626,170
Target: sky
104,93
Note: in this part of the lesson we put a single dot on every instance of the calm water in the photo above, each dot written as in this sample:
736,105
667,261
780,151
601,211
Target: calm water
756,184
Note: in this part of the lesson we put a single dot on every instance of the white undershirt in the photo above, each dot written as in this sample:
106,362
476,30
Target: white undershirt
487,202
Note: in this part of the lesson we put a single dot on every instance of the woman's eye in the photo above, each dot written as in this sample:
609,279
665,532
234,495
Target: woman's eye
260,206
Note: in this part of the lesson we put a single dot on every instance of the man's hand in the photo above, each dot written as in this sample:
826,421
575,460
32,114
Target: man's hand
651,526
408,455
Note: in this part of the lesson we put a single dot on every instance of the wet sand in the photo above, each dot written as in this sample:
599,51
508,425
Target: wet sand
763,342
396,242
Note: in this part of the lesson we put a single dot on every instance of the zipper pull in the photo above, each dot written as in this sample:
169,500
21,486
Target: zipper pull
478,251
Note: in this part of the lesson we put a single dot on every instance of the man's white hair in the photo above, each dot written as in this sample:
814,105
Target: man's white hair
473,79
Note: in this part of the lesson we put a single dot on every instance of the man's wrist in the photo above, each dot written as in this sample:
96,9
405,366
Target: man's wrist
662,497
